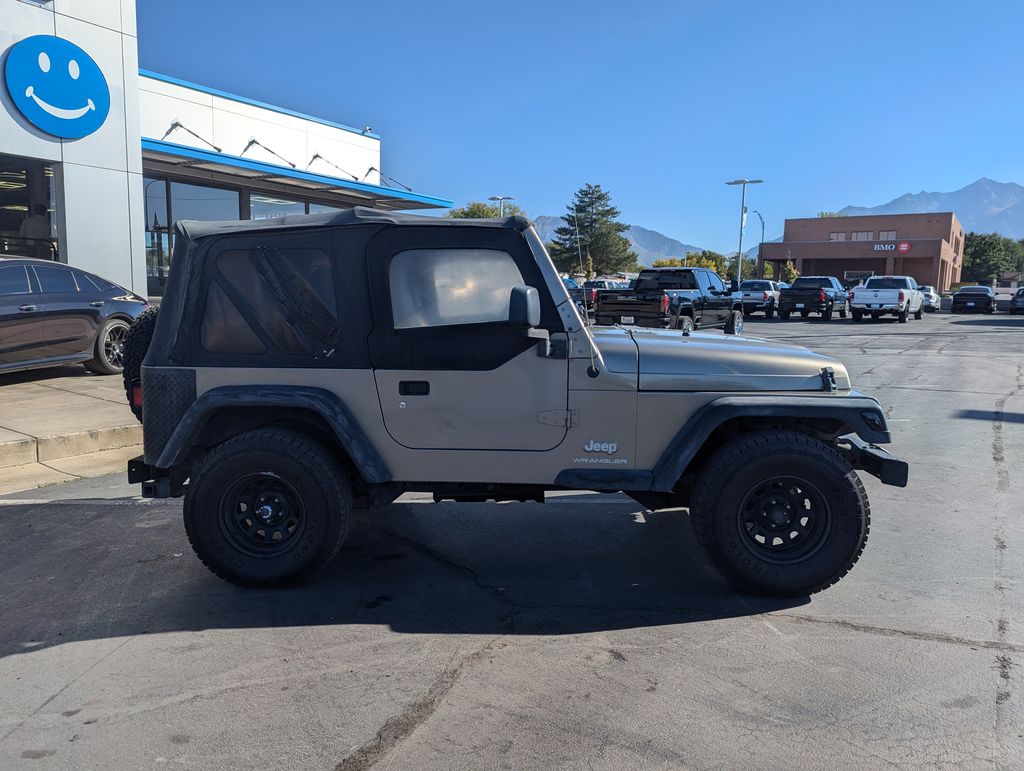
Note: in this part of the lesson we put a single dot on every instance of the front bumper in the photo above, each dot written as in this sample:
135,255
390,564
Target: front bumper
880,463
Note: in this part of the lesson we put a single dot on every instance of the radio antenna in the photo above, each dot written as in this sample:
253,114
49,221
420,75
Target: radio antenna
593,371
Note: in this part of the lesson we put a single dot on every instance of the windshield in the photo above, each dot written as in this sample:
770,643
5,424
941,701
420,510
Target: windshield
756,286
812,282
657,279
888,282
570,283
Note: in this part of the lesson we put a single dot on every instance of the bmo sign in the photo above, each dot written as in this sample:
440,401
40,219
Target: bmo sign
902,247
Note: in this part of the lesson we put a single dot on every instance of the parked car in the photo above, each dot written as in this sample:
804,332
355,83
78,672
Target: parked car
673,298
1017,302
974,299
759,295
897,296
932,299
591,288
55,314
814,294
280,412
575,291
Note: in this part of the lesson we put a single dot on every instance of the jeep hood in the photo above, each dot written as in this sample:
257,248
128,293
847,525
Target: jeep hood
705,361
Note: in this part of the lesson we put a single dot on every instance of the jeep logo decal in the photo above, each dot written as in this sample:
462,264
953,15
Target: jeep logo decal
594,446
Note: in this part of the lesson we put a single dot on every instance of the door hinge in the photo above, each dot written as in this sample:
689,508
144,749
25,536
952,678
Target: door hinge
567,418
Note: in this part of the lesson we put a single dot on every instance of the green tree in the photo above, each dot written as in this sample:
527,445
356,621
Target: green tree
789,272
706,258
824,214
483,210
601,243
985,257
667,262
769,270
749,268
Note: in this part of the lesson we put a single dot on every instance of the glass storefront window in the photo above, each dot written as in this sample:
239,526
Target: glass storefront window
318,208
265,207
28,222
158,235
197,202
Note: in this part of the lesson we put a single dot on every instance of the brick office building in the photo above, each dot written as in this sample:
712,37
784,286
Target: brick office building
928,247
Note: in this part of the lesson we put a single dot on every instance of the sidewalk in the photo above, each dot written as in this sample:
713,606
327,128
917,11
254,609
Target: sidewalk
63,423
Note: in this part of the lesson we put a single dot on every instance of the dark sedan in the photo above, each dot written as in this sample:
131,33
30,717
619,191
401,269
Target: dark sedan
56,314
974,299
1017,302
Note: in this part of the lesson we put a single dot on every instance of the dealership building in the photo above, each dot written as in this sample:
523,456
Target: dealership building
929,247
98,158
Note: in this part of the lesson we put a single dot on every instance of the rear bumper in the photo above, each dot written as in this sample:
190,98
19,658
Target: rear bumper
609,319
813,307
876,307
156,483
865,456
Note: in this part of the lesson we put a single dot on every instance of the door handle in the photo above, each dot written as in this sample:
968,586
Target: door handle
97,304
26,308
413,388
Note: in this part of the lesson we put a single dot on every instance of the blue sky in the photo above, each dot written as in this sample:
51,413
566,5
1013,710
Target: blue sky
831,103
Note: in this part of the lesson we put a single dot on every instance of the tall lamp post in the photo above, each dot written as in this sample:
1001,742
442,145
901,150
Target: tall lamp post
743,220
761,242
501,202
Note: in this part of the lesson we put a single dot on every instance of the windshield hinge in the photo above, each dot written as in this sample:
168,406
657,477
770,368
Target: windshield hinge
828,379
567,418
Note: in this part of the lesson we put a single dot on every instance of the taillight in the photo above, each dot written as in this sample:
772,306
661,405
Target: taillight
902,297
136,395
823,297
852,293
664,303
766,297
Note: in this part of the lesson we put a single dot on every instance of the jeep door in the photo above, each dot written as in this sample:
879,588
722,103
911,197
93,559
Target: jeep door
451,373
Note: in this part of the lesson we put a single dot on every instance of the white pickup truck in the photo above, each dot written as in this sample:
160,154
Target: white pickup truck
898,296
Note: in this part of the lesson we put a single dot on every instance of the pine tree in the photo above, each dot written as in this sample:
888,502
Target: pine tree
601,243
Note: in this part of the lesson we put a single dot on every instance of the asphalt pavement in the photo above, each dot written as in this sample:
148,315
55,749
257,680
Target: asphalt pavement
584,632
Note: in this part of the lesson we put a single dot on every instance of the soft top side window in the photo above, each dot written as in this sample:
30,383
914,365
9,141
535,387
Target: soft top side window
450,286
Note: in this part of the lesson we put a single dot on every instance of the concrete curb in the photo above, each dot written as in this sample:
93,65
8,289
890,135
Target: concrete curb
26,449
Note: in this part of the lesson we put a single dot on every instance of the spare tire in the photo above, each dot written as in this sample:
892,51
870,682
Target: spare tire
140,333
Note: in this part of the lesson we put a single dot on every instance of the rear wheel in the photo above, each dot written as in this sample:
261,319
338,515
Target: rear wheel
858,315
784,315
778,512
735,323
769,312
684,323
901,315
109,358
267,507
844,311
919,313
826,314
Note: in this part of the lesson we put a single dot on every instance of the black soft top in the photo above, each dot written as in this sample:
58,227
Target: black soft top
360,215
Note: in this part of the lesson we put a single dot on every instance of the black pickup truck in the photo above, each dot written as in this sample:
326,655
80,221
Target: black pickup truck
673,298
814,294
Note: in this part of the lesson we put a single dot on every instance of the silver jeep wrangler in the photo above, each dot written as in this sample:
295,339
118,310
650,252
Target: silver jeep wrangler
304,367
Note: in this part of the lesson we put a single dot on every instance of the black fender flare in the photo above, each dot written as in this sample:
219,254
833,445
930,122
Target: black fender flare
862,415
325,403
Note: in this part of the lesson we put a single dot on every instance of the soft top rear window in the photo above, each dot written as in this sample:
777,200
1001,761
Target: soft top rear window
811,282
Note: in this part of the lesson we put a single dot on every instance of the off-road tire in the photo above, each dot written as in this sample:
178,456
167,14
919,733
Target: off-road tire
734,325
739,470
140,334
270,456
109,356
684,324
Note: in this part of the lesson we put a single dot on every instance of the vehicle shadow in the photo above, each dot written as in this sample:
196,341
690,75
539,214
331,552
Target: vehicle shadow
49,373
579,563
994,320
990,415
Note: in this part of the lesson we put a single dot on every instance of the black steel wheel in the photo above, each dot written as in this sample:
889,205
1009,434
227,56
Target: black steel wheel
109,358
779,512
267,507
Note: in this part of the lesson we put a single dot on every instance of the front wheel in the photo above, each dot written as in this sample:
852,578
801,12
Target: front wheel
267,507
781,513
734,325
109,350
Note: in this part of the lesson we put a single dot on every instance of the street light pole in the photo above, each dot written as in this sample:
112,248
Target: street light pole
501,202
743,220
761,242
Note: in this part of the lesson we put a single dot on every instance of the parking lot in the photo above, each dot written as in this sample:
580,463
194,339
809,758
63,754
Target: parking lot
582,632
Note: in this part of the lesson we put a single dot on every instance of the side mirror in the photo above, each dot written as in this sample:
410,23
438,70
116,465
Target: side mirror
734,286
524,307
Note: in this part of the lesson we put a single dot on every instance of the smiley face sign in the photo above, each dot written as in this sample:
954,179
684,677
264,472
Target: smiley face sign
57,86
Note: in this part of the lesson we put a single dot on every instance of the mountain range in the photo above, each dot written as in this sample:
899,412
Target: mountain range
984,206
